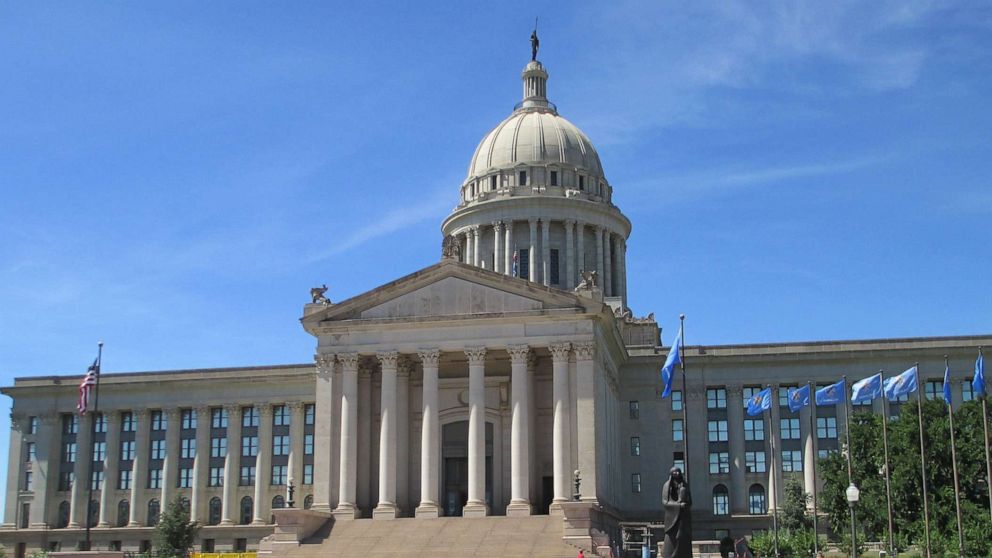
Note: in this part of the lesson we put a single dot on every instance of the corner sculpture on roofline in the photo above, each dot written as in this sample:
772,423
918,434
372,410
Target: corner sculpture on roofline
317,295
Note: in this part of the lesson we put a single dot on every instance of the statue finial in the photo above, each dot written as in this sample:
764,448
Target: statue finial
534,42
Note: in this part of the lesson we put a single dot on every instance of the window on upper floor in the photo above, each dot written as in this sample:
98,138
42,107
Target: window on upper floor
635,446
128,424
249,417
308,414
754,461
635,410
716,398
789,428
719,463
218,418
523,178
676,400
754,430
826,428
280,416
554,178
189,419
678,430
716,430
127,450
158,420
635,483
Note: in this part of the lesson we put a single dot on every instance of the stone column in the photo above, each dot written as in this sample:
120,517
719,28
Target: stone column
545,252
569,255
386,509
735,435
83,468
430,437
18,427
532,251
46,468
519,432
622,269
608,264
323,429
347,508
403,435
508,249
232,466
467,245
111,459
580,253
598,232
263,465
365,438
476,505
201,464
169,469
139,466
497,248
295,464
586,426
476,256
809,447
561,433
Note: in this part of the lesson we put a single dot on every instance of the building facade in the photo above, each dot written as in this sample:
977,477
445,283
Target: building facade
476,386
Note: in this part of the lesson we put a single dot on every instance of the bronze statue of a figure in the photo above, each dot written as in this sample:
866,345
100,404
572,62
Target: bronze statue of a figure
317,295
677,503
534,44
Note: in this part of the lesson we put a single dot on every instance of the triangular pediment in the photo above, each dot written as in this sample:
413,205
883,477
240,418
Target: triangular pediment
448,288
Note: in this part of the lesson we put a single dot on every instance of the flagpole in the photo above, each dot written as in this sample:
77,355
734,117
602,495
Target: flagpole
96,410
985,429
847,423
923,460
685,399
774,488
813,437
954,465
888,479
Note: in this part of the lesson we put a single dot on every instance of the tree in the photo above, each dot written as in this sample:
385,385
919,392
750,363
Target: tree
794,516
175,533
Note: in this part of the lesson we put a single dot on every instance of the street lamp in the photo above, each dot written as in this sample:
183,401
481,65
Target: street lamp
853,495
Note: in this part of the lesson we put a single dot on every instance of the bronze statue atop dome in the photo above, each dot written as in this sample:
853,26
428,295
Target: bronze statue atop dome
534,43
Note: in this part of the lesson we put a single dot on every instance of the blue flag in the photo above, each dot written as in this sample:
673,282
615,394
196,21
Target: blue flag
668,371
798,398
760,402
833,394
947,385
903,384
866,390
979,382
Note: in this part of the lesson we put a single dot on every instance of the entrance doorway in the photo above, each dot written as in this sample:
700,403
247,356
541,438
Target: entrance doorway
454,458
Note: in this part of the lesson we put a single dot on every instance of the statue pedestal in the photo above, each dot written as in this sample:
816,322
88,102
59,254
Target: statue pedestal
585,526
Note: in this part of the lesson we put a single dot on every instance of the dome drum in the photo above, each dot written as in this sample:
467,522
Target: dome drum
550,180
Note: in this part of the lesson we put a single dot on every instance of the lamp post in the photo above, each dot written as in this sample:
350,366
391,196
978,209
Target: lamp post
853,494
578,481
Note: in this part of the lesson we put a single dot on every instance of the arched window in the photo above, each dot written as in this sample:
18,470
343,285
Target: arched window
123,513
213,513
278,502
94,510
153,511
247,510
308,502
756,500
63,521
721,500
184,504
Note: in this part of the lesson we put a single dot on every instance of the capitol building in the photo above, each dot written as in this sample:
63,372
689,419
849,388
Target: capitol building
474,388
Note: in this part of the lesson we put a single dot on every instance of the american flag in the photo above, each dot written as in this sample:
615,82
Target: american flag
515,263
87,386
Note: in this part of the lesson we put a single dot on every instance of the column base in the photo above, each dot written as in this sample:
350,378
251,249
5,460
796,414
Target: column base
520,508
103,524
136,524
385,511
475,509
227,522
73,525
555,508
258,521
346,512
428,510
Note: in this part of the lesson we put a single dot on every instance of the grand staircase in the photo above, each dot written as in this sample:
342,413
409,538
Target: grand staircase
446,537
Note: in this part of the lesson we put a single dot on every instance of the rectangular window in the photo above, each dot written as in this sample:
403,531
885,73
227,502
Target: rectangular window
249,446
523,178
186,477
216,476
32,451
719,463
492,182
553,267
783,395
308,444
792,461
582,182
154,478
754,461
158,449
826,428
124,479
128,424
678,460
635,483
66,479
32,425
69,452
28,481
308,414
635,446
716,398
247,475
70,424
278,475
677,400
554,178
934,389
754,430
127,450
189,419
523,262
789,428
717,430
280,416
249,417
188,448
721,502
218,447
967,391
218,418
96,480
307,473
678,430
158,421
99,451
280,445
823,453
635,410
100,424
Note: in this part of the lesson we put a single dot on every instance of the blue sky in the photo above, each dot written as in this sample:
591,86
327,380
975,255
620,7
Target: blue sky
175,177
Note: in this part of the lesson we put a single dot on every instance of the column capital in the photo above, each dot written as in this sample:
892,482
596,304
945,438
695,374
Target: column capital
585,351
388,359
429,357
232,409
295,406
569,223
140,414
201,412
560,351
172,414
48,419
325,364
533,222
518,353
498,225
264,410
349,361
599,228
475,229
476,355
18,421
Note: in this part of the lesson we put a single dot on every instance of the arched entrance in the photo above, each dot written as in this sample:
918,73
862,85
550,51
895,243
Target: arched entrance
454,462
